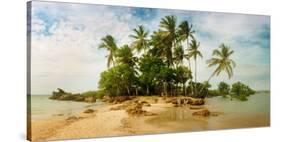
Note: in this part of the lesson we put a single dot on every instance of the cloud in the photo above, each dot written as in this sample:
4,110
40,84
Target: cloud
65,40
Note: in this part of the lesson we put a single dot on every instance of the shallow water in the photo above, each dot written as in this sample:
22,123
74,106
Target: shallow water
42,107
232,114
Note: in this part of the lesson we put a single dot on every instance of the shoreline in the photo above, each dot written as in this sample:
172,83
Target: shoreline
105,121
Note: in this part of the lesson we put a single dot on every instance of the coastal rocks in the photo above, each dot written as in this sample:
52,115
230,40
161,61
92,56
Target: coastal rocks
136,110
204,112
182,101
89,111
198,102
90,99
66,96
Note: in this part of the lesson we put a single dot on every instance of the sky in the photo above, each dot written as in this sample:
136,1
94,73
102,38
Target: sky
65,39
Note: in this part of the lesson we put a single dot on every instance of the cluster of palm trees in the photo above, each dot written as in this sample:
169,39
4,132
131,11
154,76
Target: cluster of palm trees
154,62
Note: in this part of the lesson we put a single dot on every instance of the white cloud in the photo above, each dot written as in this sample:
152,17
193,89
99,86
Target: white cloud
69,58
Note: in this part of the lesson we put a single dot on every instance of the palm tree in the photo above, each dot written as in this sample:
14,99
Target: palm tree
108,43
141,41
222,60
169,35
185,31
193,51
178,55
124,55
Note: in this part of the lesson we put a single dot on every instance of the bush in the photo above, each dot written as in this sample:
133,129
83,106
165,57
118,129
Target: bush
223,89
241,91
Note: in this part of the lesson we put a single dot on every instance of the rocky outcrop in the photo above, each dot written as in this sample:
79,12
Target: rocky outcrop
136,110
182,101
67,96
204,112
198,102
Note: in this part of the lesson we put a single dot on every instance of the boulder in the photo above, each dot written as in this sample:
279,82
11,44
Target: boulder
89,111
204,112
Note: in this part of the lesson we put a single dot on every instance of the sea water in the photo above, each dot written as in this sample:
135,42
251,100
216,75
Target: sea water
43,108
231,114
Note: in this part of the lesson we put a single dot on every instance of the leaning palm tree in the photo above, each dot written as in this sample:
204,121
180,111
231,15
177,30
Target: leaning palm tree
141,39
108,43
169,35
222,60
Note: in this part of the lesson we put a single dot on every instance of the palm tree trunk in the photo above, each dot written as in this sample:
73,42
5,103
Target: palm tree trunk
195,77
147,90
183,88
128,90
207,81
136,91
191,87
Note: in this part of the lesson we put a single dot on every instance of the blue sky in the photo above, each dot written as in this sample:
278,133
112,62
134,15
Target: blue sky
65,38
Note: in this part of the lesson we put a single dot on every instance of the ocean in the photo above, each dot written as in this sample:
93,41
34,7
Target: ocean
43,108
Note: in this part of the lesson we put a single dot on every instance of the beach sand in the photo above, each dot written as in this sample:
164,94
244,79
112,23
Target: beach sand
103,122
106,122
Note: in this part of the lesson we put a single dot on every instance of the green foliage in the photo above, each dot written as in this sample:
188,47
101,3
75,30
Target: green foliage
109,43
224,89
118,80
158,68
97,94
124,55
149,67
241,91
222,60
140,39
204,89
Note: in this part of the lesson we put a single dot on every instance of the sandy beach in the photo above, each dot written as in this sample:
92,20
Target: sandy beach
107,121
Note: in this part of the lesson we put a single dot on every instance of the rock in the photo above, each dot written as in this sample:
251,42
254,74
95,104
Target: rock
73,118
204,112
156,100
198,102
89,111
90,99
145,103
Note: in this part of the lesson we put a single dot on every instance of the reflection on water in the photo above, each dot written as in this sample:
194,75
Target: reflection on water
235,114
